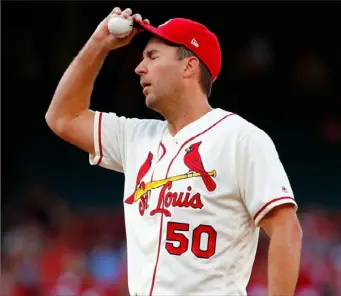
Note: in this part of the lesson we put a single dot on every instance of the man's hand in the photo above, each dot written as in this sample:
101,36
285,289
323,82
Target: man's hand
283,228
109,41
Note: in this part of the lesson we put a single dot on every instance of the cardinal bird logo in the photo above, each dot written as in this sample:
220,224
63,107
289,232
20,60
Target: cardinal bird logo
193,161
142,172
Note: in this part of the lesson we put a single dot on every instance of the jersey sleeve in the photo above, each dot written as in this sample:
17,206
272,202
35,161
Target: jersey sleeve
112,135
261,177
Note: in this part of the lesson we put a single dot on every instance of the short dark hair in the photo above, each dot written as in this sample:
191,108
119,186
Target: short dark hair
206,80
205,75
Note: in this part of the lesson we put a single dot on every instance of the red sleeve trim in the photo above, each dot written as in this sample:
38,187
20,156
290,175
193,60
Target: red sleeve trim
100,147
269,203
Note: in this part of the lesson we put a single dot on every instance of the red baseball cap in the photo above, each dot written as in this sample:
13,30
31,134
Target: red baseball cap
194,36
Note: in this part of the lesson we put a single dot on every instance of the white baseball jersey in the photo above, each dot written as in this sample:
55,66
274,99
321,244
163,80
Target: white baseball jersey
192,201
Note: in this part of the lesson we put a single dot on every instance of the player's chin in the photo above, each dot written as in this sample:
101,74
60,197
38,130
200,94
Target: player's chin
150,101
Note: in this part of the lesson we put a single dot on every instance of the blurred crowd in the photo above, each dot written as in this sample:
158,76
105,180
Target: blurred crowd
50,248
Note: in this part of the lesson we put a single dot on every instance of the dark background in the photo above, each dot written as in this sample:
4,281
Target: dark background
281,71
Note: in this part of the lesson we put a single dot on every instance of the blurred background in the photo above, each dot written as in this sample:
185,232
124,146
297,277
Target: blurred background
62,225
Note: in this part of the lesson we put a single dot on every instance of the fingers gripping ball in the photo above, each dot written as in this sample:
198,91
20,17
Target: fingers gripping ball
119,26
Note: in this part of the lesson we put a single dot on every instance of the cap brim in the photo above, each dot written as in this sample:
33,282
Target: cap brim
153,31
147,27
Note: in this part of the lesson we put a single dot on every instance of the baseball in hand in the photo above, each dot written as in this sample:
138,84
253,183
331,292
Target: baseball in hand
119,26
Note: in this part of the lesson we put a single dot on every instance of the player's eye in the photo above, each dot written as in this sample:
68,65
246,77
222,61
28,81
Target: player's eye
152,55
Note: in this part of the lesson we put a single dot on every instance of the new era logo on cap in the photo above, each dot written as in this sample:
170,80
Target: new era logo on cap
195,43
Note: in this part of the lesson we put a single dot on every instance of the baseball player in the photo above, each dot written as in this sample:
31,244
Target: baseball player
200,184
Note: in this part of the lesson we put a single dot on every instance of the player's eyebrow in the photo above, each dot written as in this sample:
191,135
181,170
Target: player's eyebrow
150,52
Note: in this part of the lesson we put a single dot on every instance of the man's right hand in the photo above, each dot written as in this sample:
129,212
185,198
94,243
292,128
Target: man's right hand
109,41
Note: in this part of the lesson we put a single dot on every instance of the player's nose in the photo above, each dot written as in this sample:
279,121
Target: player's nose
141,68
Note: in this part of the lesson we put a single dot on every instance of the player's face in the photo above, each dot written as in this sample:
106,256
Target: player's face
160,74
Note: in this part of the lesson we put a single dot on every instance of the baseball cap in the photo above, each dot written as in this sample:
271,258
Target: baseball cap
194,36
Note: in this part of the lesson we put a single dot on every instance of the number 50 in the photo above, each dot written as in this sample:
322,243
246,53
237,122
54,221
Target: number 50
175,237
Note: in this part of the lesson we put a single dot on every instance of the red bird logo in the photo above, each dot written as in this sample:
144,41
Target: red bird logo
142,172
193,161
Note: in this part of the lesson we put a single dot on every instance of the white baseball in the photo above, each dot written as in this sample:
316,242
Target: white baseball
119,26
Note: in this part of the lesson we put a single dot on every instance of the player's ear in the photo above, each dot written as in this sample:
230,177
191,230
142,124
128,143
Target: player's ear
191,66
